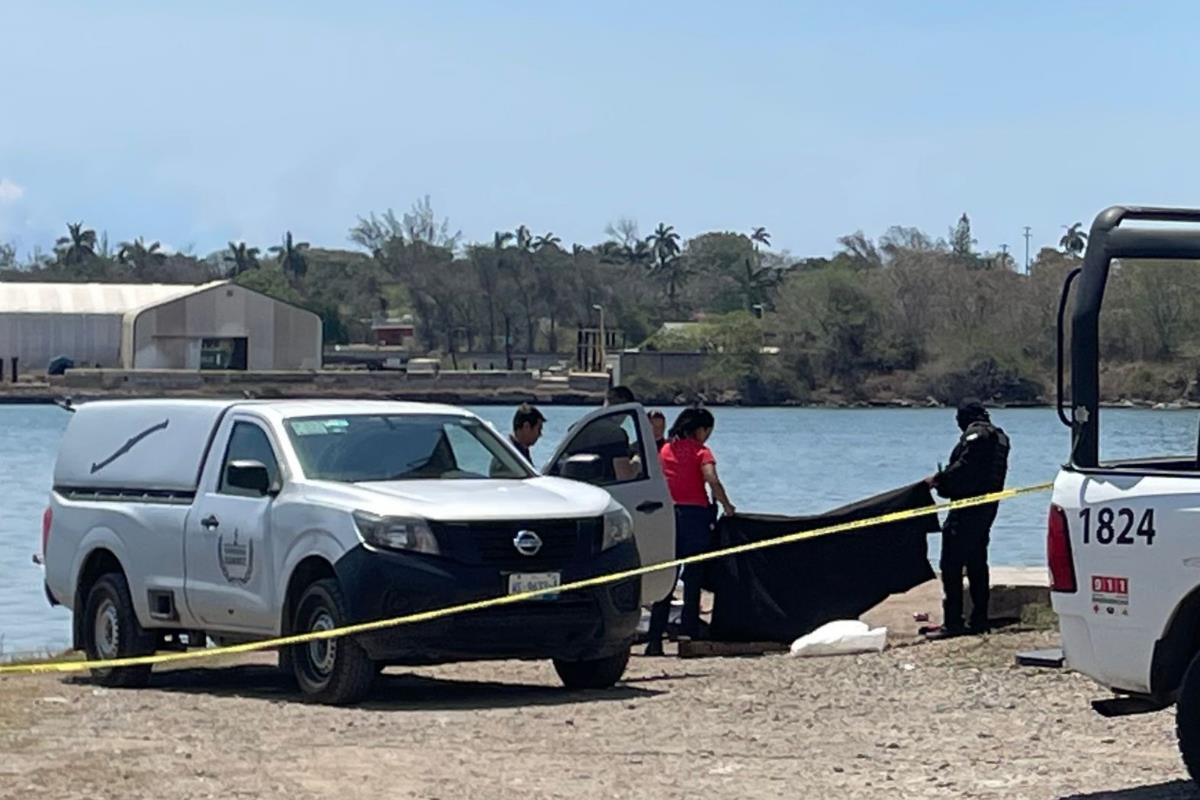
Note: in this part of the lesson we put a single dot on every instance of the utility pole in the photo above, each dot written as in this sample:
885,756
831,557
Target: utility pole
1004,256
1026,249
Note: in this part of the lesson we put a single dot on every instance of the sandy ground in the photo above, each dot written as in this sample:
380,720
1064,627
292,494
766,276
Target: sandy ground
952,719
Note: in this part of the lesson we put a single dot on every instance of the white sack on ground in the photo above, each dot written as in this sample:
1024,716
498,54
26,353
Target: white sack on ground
841,637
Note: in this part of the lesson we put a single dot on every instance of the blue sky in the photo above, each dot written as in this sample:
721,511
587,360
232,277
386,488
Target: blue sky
200,122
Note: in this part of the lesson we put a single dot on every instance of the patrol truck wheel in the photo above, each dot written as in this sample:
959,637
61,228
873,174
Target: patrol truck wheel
333,671
111,630
598,673
1187,719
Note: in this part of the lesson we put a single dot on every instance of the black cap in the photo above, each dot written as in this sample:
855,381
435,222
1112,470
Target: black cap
971,410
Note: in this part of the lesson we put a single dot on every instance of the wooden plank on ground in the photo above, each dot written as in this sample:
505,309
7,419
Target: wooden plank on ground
689,648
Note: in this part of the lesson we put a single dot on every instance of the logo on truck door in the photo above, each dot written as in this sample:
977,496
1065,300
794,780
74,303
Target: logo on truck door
235,558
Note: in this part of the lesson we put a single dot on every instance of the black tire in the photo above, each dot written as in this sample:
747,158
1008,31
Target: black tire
1187,719
598,673
332,671
111,630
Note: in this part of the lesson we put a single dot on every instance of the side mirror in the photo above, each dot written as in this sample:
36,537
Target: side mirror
586,467
249,475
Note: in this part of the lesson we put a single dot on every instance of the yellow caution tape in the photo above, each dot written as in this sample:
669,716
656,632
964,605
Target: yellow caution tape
31,667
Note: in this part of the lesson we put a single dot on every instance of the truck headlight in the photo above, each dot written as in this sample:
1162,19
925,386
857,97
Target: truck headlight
396,533
618,527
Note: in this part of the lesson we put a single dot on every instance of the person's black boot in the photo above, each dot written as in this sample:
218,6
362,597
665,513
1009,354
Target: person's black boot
944,632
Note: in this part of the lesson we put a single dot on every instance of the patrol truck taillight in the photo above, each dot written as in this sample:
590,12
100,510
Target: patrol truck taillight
47,521
1058,552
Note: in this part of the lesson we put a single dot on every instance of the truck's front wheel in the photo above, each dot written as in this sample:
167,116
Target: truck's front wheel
1187,719
596,673
334,671
111,630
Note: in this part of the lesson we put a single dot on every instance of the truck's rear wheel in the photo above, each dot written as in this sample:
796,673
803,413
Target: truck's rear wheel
1187,719
111,630
334,671
596,673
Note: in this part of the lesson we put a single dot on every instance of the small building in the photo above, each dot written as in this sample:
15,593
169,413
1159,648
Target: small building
218,325
394,333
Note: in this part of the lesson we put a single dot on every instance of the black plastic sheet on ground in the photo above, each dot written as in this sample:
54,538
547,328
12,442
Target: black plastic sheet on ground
780,593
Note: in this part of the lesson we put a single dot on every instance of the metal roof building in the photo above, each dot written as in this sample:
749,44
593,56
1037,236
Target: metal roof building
217,325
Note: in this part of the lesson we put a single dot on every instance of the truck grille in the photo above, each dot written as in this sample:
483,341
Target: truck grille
491,543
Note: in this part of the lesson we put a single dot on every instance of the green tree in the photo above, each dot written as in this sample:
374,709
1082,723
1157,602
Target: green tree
271,280
758,280
241,258
1074,240
669,265
290,255
760,237
524,280
721,262
141,256
961,242
858,251
490,264
549,275
78,246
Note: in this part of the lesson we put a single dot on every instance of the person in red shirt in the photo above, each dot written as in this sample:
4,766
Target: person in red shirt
691,470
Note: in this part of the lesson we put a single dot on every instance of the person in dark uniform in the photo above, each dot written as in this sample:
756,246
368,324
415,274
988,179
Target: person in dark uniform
978,465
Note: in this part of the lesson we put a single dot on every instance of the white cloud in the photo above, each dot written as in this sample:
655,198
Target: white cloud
10,191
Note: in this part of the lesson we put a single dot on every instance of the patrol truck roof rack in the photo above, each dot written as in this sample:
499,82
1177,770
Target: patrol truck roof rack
1109,239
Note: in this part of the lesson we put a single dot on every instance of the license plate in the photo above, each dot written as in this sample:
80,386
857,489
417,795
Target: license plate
533,581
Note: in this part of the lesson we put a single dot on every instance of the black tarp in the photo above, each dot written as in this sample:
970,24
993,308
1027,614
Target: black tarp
780,593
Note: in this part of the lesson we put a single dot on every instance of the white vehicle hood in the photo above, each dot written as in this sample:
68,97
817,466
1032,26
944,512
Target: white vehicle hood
477,500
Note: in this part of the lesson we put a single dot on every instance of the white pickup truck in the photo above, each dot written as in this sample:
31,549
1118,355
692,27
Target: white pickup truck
171,522
1123,539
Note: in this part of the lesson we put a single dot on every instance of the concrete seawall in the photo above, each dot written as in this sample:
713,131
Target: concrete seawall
464,387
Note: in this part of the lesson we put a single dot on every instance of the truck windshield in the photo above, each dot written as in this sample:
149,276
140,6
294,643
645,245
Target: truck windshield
359,448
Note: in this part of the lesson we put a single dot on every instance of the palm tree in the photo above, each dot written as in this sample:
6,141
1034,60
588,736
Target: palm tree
546,240
489,265
242,258
78,246
668,264
140,255
758,280
1074,240
664,242
291,256
550,286
760,236
756,283
523,273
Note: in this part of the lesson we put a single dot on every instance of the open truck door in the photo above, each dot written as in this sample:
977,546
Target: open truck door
613,448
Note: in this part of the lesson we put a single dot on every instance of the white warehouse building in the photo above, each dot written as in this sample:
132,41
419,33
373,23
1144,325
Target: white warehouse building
217,325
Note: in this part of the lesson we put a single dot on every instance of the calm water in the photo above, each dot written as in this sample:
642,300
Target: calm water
791,461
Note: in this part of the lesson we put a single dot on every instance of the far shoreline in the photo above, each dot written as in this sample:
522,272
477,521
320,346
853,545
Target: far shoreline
43,396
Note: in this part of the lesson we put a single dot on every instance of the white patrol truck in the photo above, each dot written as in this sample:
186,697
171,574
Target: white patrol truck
1123,540
171,522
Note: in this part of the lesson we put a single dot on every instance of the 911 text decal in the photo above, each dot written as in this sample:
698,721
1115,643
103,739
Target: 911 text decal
1117,526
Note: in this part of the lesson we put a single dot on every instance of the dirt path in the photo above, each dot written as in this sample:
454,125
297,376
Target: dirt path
953,719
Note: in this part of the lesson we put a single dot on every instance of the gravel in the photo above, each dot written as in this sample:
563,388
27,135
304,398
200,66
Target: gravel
952,719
